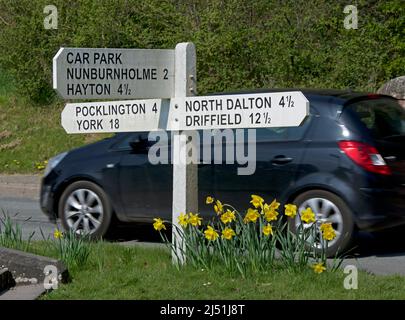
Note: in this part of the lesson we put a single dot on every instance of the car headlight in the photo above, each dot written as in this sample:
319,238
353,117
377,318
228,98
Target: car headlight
53,162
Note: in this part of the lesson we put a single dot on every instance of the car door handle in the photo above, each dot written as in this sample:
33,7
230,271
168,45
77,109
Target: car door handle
281,160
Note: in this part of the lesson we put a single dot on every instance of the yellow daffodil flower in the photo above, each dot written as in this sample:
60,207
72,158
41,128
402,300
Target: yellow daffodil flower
269,213
209,200
211,234
218,207
158,224
228,233
318,267
194,219
57,234
183,220
290,210
308,215
257,201
329,235
274,205
251,216
326,226
268,230
228,217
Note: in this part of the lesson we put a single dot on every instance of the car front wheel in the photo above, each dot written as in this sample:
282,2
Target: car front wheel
84,208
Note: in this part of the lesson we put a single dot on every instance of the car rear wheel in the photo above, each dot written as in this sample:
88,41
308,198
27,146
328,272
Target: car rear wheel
328,208
84,208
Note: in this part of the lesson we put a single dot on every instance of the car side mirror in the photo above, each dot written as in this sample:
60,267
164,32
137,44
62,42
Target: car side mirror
140,145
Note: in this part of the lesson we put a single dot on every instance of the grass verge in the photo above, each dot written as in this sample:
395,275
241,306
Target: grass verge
31,134
117,272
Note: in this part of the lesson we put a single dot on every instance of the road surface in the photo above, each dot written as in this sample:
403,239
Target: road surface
27,213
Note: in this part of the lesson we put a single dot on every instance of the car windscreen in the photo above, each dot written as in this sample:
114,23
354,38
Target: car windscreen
383,117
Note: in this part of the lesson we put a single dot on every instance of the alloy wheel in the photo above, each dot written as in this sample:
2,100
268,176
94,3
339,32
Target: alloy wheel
83,211
325,212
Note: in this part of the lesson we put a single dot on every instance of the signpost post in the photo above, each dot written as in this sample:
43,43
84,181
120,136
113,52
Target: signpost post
81,73
185,173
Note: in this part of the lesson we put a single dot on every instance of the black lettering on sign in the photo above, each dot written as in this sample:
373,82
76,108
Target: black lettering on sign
105,73
88,89
209,120
165,72
78,58
107,58
93,124
114,124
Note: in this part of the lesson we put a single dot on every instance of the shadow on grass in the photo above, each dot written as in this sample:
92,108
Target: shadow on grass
141,232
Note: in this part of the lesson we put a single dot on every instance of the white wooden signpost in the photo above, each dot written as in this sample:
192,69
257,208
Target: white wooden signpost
275,109
88,73
113,116
81,73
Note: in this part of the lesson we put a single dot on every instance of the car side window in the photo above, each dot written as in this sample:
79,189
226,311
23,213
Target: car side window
282,134
124,143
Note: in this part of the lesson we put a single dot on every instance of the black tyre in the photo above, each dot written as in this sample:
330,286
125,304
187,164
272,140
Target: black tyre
85,209
328,207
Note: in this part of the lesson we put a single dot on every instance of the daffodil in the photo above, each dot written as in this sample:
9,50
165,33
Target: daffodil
183,220
290,210
158,224
209,200
251,216
274,205
269,213
268,230
308,215
228,233
194,219
57,234
329,235
228,216
218,207
211,234
318,267
326,226
257,201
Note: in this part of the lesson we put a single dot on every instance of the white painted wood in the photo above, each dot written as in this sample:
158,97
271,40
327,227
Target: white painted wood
106,73
185,174
112,116
260,110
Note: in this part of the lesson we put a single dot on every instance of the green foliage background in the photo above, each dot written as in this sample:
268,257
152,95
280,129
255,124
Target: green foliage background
240,43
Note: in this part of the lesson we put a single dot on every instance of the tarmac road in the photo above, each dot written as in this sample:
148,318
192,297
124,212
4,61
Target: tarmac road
27,213
382,253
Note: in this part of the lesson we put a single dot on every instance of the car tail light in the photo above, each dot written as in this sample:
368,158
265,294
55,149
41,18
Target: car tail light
365,156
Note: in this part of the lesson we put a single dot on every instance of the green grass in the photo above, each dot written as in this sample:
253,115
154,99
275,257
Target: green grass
117,272
31,134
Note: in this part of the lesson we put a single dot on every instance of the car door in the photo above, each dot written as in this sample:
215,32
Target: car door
277,158
145,188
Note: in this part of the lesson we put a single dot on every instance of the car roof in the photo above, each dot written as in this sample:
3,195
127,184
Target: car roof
343,95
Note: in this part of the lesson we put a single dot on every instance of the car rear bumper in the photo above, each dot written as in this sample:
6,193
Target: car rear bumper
381,209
